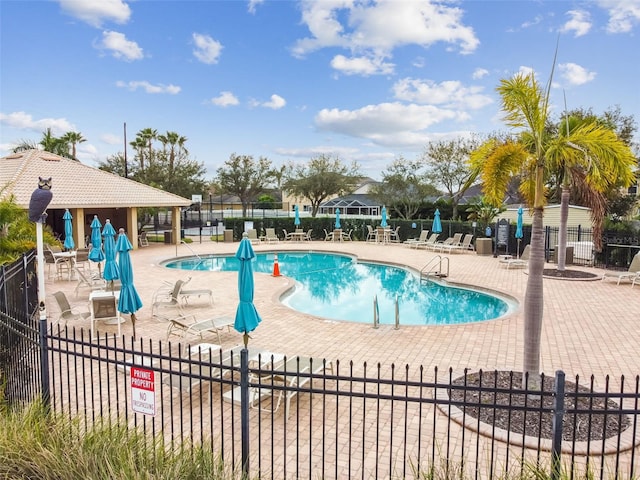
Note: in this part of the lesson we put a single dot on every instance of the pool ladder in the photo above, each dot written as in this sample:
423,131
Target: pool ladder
376,313
435,267
200,259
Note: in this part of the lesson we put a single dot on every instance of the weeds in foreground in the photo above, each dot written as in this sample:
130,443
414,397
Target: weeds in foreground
34,444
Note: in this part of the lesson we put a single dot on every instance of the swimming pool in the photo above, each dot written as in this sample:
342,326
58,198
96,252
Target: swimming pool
338,287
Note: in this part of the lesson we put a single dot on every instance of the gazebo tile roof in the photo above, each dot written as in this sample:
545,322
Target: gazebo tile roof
76,185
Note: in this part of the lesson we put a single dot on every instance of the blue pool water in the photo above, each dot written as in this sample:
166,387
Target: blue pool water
337,287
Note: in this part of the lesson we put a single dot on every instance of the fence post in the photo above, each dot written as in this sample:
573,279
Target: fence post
558,414
42,324
244,409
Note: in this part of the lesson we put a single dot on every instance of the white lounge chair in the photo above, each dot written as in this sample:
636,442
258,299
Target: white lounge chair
270,235
252,235
282,383
464,246
509,261
447,244
188,325
424,235
427,243
630,274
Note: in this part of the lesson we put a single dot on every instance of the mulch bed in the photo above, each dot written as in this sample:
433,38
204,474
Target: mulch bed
568,274
579,427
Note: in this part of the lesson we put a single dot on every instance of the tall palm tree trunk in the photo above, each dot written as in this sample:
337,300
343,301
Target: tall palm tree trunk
562,231
533,303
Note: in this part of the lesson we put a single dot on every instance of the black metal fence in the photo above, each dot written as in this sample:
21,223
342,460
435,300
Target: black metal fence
317,418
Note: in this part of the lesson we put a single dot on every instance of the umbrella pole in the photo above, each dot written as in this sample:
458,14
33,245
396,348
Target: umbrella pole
133,324
244,407
518,249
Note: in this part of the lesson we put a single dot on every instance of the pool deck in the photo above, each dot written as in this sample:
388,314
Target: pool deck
589,327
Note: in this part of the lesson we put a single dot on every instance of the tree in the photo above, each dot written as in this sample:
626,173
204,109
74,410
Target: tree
483,211
320,179
73,138
447,163
531,154
403,189
176,148
244,177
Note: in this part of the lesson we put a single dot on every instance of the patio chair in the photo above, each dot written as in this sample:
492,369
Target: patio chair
424,234
517,262
60,264
188,325
287,236
90,280
167,298
394,235
307,236
142,239
630,274
464,246
328,236
371,234
448,244
82,259
427,243
184,294
68,312
270,235
280,384
346,236
252,235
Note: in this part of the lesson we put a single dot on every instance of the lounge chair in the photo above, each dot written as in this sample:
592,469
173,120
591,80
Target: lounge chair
281,384
252,235
464,246
270,235
509,261
427,243
188,325
448,244
630,274
636,279
202,364
184,294
142,239
424,234
67,311
166,297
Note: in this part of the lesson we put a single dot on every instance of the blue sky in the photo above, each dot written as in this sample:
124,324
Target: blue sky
365,80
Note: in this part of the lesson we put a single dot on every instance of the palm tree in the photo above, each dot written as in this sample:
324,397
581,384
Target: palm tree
73,138
588,156
176,146
532,154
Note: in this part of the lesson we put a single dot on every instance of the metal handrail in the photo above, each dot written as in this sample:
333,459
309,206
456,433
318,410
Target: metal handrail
439,260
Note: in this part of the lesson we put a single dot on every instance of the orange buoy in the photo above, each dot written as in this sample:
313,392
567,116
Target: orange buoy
276,267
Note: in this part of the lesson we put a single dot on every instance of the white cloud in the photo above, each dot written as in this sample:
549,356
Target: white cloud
120,47
579,23
479,73
388,124
225,99
110,139
95,13
525,70
374,30
575,74
623,14
24,121
361,66
148,87
276,102
531,23
450,93
207,49
253,4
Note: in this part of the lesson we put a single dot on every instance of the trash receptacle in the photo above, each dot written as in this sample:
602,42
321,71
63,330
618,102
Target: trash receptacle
228,236
168,237
568,259
182,233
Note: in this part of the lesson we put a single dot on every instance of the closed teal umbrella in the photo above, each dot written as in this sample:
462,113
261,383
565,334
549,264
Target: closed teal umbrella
68,230
437,225
519,234
296,220
337,218
111,271
247,317
129,301
383,223
96,254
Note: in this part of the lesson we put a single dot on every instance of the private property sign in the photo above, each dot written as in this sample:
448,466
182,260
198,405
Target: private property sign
143,391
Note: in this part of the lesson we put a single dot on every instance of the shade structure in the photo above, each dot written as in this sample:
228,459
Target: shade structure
338,218
437,225
296,220
383,223
69,244
129,301
247,317
519,233
111,271
96,254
